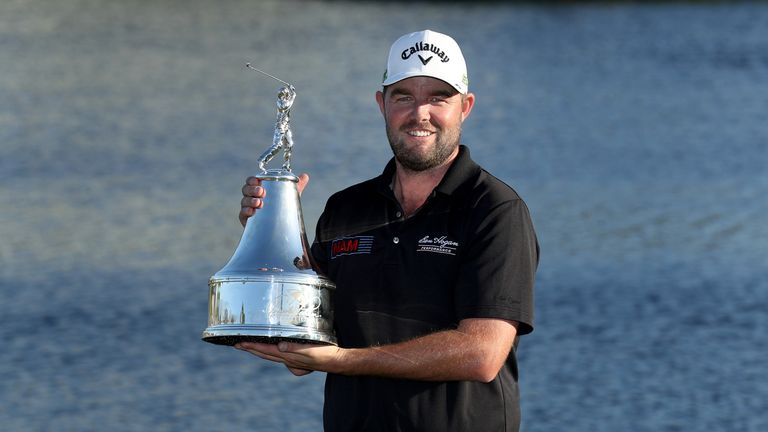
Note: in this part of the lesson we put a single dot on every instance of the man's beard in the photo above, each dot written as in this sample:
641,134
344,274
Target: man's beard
446,142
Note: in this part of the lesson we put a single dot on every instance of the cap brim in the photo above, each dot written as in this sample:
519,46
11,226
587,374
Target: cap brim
401,76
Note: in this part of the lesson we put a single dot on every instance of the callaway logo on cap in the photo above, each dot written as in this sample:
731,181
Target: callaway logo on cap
427,53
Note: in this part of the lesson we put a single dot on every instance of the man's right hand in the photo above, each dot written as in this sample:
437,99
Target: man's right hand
254,194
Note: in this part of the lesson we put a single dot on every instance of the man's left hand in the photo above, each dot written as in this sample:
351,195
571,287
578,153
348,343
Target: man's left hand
300,359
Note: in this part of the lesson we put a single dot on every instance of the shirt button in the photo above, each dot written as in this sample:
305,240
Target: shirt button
396,240
398,214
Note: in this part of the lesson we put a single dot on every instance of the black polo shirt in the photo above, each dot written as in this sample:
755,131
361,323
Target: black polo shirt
469,252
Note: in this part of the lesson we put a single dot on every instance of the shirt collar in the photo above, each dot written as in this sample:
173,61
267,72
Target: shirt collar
462,169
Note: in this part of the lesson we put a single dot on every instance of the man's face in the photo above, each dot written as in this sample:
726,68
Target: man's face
423,116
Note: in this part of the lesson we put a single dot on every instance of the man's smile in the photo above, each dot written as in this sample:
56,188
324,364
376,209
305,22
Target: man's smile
420,133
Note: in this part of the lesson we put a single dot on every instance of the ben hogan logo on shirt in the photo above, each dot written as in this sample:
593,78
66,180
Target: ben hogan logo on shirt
351,246
440,244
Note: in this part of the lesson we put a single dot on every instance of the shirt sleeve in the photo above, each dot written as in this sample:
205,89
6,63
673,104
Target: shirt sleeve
497,272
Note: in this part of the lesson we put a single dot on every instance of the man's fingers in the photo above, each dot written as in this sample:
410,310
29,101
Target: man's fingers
251,202
298,348
253,188
256,346
245,213
254,191
265,351
253,181
253,195
276,353
298,371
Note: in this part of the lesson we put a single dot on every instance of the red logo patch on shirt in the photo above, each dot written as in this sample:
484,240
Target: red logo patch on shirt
351,246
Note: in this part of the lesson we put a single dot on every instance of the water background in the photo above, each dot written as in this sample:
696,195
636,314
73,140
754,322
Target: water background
636,133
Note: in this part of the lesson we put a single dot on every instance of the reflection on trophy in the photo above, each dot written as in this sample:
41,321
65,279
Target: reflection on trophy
268,291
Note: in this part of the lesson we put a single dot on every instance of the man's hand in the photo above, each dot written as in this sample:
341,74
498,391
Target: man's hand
254,193
300,359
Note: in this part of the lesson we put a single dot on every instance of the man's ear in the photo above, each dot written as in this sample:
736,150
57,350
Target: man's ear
466,105
380,101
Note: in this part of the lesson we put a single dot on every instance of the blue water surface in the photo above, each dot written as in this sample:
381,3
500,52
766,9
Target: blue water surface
635,132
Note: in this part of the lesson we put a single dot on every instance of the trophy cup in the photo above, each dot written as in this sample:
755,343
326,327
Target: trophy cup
268,290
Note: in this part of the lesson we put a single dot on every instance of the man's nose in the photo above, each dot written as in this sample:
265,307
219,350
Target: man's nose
421,112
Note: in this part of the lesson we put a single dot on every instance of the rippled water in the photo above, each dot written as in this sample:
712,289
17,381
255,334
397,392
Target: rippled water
635,133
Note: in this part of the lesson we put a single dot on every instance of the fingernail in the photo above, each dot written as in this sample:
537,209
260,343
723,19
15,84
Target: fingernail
282,346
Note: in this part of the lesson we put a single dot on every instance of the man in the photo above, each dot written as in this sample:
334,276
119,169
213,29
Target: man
428,311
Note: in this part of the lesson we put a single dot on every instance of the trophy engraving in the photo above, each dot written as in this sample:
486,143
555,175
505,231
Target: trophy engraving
268,291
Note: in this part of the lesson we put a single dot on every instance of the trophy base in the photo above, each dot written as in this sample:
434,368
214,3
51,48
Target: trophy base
274,340
269,307
230,335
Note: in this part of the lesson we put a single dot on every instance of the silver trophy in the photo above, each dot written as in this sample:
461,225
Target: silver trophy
268,291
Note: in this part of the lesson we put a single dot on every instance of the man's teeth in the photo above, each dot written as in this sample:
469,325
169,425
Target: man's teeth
420,133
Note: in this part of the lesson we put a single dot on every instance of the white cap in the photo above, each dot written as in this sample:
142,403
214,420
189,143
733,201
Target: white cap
427,53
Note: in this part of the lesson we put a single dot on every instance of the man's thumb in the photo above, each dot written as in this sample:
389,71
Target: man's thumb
303,180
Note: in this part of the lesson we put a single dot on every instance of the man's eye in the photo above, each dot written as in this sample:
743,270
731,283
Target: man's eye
404,99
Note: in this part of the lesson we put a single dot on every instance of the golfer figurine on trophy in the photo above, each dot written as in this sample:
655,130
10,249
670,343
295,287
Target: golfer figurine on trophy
283,138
